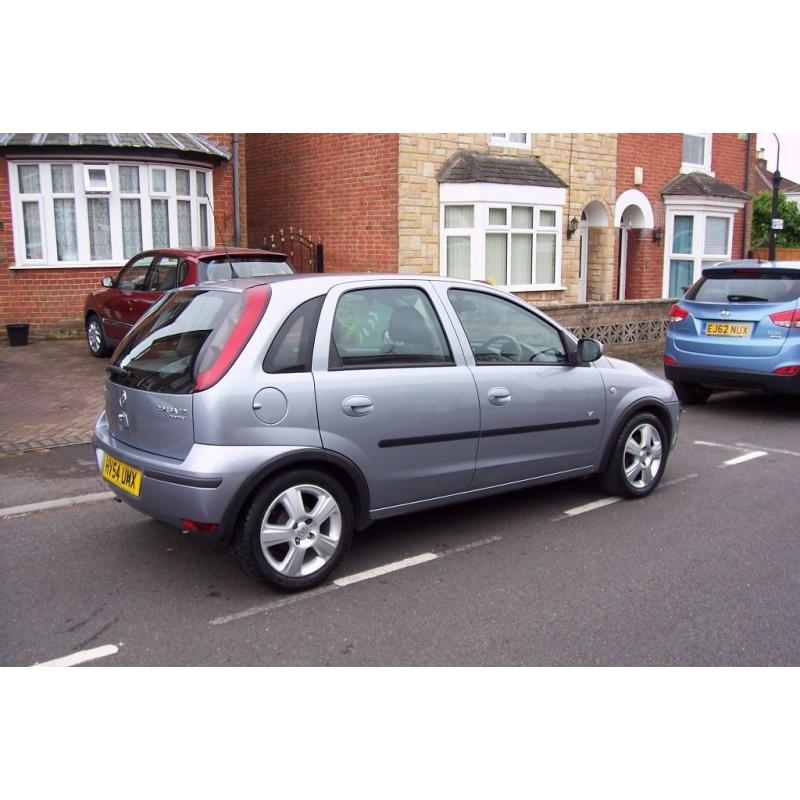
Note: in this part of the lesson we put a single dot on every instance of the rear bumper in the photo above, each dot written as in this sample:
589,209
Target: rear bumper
201,488
734,379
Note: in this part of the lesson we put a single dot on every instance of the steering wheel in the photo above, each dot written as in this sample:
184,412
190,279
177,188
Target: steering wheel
513,353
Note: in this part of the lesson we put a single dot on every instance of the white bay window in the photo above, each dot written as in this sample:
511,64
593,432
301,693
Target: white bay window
68,213
508,235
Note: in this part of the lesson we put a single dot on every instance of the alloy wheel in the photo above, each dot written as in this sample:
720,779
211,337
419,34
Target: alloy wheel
300,530
642,456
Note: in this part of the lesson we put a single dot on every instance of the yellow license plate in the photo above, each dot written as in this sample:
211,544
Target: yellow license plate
727,329
127,478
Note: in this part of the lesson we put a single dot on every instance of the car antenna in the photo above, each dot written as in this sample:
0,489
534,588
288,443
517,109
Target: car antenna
221,238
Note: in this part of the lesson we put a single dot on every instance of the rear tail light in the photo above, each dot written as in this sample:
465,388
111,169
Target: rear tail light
256,300
788,371
677,314
670,361
198,527
786,319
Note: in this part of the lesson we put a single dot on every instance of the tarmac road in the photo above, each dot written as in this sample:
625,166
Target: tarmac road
706,571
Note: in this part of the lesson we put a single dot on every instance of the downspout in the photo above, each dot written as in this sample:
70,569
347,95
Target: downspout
237,230
746,202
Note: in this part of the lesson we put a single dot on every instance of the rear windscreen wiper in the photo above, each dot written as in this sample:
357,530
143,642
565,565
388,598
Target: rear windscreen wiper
746,298
120,372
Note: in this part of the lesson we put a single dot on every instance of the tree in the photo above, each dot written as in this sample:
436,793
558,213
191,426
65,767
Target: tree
788,211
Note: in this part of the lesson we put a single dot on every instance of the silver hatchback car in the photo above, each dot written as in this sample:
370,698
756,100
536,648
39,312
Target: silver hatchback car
284,413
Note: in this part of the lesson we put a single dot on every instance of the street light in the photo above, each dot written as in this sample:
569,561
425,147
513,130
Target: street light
776,184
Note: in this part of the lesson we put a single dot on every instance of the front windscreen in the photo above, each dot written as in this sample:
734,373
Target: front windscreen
170,346
222,268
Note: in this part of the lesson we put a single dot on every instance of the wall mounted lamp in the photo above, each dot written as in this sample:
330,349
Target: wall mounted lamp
658,234
572,227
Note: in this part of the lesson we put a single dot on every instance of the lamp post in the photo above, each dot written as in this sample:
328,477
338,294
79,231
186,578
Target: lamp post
776,184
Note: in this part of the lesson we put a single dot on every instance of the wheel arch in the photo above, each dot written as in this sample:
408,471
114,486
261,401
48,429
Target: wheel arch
645,404
333,464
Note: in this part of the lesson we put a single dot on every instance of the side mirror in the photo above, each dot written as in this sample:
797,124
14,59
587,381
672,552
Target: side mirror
589,350
107,282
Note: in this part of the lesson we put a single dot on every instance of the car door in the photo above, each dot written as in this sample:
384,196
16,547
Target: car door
394,393
541,414
119,312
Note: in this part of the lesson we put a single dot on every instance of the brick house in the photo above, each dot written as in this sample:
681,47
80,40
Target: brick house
485,206
682,201
75,207
764,178
554,217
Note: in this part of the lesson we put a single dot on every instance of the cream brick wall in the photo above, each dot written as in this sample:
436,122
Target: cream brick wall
585,161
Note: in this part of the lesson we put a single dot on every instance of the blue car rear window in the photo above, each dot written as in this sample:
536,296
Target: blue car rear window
779,288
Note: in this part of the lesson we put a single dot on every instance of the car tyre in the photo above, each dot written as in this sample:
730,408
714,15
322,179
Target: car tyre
638,458
96,338
295,530
692,394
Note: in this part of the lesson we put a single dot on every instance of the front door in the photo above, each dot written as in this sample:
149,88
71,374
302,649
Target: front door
540,414
394,394
119,312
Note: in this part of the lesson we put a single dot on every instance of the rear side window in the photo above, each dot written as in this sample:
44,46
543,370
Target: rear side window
293,345
761,288
395,327
181,338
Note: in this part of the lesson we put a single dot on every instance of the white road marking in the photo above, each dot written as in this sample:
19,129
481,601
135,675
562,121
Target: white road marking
606,501
746,457
47,505
349,579
723,446
769,449
677,480
81,657
385,569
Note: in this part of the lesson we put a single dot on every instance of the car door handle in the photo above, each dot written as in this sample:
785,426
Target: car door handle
358,405
499,396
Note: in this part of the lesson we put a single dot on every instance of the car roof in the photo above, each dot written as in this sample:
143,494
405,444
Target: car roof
324,281
211,252
752,264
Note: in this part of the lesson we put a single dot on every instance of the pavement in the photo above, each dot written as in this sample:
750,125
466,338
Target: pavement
51,394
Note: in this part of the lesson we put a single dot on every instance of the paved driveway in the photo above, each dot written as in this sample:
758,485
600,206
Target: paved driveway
51,394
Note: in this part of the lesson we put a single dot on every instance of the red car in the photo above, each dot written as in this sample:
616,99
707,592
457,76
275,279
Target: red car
110,312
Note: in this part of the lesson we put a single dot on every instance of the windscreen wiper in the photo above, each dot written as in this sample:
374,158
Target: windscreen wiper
120,372
746,298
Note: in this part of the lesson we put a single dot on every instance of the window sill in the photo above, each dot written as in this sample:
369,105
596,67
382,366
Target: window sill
537,288
116,265
686,169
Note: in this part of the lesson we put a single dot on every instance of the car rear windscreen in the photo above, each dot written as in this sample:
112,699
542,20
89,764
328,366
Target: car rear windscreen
175,342
758,288
222,268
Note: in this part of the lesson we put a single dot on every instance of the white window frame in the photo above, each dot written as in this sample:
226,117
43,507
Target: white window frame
700,211
106,169
484,196
688,166
503,140
80,180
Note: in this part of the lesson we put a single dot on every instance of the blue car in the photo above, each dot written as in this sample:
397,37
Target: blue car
738,327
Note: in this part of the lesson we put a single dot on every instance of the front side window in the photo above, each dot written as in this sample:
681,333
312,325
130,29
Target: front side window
134,276
395,327
502,332
70,213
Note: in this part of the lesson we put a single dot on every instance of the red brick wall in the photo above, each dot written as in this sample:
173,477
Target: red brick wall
341,189
660,155
51,300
